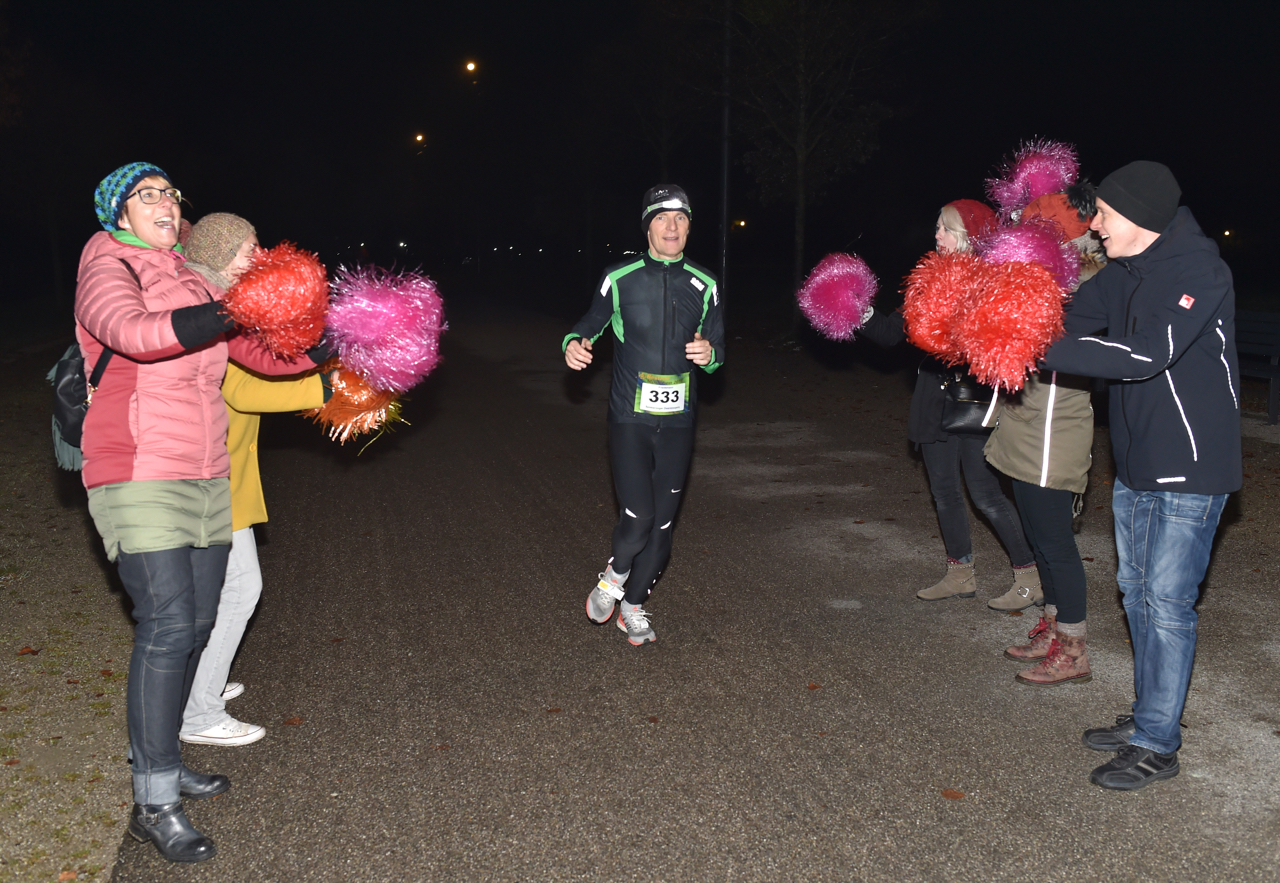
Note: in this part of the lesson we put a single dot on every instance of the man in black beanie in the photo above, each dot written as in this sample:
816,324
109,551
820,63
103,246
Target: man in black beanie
1159,323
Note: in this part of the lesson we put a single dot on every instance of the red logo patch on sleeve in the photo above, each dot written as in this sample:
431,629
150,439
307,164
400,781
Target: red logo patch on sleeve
1186,301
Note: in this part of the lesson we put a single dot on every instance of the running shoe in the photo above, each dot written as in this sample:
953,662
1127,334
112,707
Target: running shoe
603,598
635,622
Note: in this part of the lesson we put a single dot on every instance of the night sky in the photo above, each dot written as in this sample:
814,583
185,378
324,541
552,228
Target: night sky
304,121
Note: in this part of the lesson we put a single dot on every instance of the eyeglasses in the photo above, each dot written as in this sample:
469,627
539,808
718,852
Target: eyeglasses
151,195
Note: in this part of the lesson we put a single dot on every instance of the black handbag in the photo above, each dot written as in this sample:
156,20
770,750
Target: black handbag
71,397
966,404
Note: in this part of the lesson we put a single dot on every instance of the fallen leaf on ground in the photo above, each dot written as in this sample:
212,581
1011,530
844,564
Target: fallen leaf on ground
293,721
553,711
66,875
1015,612
813,686
70,681
106,672
27,651
653,720
11,762
952,794
336,640
442,747
1086,559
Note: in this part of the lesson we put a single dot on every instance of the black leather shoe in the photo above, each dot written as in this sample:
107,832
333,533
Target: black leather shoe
167,827
198,786
1111,738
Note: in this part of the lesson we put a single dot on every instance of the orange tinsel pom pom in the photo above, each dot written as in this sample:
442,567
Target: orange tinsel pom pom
1015,318
938,292
282,298
355,407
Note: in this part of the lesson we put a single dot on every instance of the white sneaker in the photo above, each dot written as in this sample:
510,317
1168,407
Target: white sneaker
635,622
232,690
231,732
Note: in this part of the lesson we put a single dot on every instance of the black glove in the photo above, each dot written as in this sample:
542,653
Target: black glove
321,352
200,324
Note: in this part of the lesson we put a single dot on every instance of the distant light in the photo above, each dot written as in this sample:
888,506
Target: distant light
740,223
418,138
511,248
1226,233
471,65
404,245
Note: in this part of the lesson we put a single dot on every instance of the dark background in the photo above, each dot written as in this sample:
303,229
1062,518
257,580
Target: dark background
303,118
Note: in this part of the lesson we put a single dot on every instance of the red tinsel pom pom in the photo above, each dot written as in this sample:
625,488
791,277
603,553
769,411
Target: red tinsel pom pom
282,298
836,294
1015,317
938,291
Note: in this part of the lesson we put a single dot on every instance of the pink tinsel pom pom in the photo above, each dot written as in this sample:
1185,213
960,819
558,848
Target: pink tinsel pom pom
836,294
1036,241
386,326
1015,317
1039,167
939,291
282,299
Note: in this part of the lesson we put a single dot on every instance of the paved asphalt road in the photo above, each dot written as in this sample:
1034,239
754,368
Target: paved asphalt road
440,708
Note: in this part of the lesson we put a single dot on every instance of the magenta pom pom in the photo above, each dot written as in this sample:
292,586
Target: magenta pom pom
1035,241
1039,167
836,294
386,326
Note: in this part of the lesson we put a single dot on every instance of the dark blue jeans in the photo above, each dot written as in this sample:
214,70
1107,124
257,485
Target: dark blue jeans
175,599
944,460
1163,539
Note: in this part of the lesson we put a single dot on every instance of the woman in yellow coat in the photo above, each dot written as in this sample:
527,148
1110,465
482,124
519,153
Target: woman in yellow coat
226,242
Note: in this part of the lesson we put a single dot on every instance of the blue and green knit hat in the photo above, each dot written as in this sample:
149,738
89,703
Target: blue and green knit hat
108,199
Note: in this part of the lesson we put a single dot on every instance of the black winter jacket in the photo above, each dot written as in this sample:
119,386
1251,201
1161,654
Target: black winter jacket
924,422
655,307
1161,326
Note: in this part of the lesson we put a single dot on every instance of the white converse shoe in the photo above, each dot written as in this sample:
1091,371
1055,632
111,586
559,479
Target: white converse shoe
232,690
230,732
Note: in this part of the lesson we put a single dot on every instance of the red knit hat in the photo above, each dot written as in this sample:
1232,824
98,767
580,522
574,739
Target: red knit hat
977,217
1055,207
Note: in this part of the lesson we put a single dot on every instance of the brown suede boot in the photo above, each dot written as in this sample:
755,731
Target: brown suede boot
1066,663
959,582
1025,592
1041,637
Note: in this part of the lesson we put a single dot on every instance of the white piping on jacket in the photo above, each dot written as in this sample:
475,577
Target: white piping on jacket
1223,357
1195,455
1048,429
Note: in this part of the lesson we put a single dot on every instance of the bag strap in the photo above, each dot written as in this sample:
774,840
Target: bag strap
108,352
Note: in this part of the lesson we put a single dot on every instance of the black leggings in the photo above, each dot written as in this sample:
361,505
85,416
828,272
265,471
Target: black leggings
1046,517
944,461
649,469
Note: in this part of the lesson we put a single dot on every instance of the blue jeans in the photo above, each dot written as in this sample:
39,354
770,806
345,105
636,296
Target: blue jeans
1163,540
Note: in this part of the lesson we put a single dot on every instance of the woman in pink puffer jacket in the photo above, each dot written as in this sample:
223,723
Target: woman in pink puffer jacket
156,468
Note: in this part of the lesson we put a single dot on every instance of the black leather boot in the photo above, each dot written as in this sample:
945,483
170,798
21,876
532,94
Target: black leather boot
198,786
168,828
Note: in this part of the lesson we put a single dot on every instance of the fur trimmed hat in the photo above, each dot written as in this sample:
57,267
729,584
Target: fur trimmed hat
1055,207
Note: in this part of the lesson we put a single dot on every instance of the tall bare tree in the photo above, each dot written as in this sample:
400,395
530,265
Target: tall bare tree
804,78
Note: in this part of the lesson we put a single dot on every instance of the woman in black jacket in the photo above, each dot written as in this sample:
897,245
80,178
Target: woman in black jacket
948,455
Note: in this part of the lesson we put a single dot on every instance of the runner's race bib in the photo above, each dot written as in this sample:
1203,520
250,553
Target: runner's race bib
662,393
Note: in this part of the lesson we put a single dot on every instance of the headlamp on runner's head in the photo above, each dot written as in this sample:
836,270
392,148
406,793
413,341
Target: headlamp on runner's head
663,198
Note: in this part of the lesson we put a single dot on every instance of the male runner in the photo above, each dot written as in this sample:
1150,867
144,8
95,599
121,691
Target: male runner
665,313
